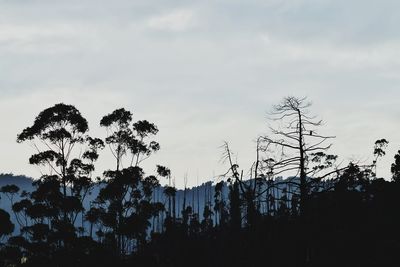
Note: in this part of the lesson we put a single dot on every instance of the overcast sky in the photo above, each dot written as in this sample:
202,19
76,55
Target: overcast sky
203,71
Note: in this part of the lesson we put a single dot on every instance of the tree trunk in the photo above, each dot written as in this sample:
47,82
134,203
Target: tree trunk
303,178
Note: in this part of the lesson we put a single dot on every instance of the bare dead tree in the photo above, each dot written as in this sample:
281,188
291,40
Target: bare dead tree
233,171
248,188
295,146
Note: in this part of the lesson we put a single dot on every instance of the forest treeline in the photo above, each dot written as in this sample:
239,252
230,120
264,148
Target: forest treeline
325,213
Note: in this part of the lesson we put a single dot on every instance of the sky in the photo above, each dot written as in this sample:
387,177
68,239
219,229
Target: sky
204,72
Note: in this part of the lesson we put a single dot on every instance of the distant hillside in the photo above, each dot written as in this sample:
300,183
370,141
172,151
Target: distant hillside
196,197
19,180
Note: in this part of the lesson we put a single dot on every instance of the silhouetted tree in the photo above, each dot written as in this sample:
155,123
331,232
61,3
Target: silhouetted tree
218,202
298,143
235,206
126,197
170,193
59,135
6,226
379,151
395,168
248,189
8,255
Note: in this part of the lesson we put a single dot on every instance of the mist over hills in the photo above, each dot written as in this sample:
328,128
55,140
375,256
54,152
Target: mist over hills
197,197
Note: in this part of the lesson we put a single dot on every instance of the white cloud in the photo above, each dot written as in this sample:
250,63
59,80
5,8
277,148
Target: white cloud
175,21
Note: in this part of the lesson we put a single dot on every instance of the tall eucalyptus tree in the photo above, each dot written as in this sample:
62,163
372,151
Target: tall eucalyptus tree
126,197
